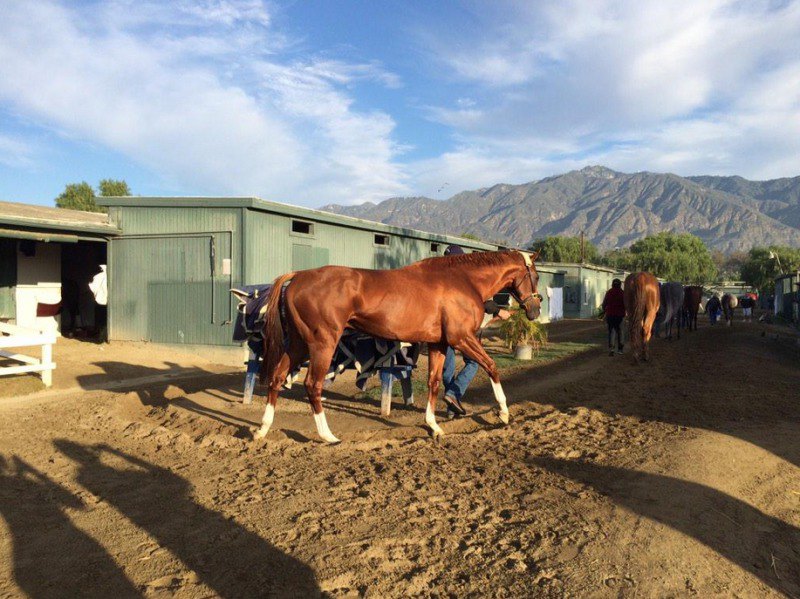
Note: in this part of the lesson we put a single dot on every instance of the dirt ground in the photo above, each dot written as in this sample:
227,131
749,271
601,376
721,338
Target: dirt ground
673,478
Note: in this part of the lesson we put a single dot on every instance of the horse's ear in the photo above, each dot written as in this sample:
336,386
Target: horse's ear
534,256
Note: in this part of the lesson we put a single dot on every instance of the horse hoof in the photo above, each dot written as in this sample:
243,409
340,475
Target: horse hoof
438,436
504,417
331,440
260,434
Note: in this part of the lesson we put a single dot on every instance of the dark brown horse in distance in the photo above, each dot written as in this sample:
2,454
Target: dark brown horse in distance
692,296
641,305
438,301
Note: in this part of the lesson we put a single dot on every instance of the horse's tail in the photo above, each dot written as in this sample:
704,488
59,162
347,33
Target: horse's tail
273,329
639,307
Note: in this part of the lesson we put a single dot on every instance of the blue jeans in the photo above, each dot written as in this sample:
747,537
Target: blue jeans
456,385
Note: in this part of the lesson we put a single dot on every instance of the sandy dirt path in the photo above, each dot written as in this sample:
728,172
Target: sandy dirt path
675,478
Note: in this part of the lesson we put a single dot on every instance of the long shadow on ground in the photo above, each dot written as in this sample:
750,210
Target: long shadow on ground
52,557
228,558
765,546
730,381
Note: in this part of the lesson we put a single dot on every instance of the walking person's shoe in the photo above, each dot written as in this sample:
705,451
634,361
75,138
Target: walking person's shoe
454,406
610,351
619,349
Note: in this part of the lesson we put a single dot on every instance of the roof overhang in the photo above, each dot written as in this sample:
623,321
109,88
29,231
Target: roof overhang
56,227
45,236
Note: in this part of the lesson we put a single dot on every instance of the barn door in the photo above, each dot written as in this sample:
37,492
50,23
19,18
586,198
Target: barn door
172,289
180,292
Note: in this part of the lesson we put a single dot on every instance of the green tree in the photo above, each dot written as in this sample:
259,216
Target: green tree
674,257
729,266
78,196
81,196
113,188
617,258
763,264
564,249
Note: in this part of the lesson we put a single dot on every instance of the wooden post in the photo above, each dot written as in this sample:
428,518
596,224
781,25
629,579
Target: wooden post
250,377
47,360
408,390
387,379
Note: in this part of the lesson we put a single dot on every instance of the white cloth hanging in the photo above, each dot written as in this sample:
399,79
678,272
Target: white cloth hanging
556,303
99,286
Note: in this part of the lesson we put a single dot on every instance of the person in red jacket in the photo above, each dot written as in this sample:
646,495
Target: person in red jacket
614,310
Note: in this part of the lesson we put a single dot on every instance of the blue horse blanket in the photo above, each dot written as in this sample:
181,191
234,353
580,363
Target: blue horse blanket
358,351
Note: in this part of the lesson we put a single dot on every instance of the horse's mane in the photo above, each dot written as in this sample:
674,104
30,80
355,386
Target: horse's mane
477,258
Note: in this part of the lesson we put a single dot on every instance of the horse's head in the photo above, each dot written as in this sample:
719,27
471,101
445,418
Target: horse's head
524,287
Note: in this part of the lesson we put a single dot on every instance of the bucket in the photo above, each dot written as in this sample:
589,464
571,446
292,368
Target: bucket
523,352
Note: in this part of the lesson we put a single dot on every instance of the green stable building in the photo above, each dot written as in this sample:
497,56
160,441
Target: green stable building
584,286
171,262
173,265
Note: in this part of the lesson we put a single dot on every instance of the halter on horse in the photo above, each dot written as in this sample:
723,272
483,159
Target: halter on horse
438,301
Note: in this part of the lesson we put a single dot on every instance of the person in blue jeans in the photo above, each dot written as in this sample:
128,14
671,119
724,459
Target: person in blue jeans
455,385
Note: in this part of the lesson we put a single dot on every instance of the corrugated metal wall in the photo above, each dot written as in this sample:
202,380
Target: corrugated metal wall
273,248
168,280
584,288
8,277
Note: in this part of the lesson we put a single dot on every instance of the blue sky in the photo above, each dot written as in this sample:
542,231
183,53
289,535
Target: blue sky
317,102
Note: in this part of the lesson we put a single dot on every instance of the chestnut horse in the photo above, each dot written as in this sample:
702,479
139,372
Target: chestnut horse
729,302
641,305
438,301
692,295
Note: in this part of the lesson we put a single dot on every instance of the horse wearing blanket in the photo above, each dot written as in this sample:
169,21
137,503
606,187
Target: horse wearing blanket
319,304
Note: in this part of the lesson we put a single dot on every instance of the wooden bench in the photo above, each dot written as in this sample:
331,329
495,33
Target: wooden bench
13,336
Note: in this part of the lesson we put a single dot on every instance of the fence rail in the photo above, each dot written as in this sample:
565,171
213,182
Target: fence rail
13,336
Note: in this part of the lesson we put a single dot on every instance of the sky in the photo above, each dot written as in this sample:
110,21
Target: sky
312,102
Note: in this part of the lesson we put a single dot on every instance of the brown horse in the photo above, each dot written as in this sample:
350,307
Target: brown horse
692,296
438,301
729,302
641,305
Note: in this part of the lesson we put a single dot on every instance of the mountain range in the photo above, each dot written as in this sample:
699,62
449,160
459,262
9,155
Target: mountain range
613,209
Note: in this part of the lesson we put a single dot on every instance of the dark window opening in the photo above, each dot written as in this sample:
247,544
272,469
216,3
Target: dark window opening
299,226
435,248
381,240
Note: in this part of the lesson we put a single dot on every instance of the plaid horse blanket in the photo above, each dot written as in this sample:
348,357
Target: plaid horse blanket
357,351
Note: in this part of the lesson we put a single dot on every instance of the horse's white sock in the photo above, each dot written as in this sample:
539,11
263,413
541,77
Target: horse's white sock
430,420
266,421
500,396
322,428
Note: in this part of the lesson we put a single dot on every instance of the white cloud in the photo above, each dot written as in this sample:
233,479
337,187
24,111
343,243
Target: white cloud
692,87
196,93
15,152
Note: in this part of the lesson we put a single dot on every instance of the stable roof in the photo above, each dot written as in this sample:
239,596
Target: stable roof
43,223
582,265
289,210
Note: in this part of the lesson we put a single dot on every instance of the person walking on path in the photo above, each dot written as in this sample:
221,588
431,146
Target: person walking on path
614,310
714,308
747,304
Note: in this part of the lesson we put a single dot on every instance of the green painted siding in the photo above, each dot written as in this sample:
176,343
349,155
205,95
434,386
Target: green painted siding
585,286
167,281
8,278
273,249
